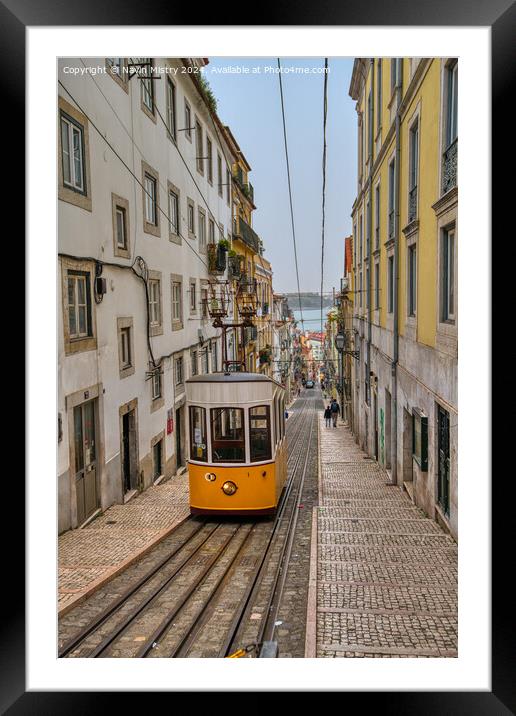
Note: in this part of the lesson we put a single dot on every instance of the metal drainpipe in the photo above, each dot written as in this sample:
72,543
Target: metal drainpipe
369,224
394,365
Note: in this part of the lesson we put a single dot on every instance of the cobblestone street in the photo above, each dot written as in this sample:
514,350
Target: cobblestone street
90,556
383,576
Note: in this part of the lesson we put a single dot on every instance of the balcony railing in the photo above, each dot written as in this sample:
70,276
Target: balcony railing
246,187
412,204
242,230
449,179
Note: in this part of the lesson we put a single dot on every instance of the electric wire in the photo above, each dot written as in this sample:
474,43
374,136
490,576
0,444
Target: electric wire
325,114
290,190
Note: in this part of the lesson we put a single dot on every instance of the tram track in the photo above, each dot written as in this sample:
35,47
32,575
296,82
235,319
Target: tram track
176,604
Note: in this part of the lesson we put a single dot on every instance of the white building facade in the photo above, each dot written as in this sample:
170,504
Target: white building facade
143,192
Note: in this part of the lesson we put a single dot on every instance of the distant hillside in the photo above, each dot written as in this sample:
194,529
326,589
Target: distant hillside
308,300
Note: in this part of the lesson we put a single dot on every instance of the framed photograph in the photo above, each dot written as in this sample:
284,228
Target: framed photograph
110,216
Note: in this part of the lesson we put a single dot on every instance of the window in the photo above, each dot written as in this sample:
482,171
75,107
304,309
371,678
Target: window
377,217
370,122
177,303
154,303
219,173
199,149
448,275
275,409
211,231
413,170
121,231
228,438
193,296
193,363
188,121
420,438
361,289
390,284
379,95
191,217
412,280
151,215
392,172
156,384
171,109
377,286
260,433
72,151
116,65
209,153
355,243
204,303
394,73
449,160
179,370
368,229
198,439
202,230
147,84
173,212
204,361
79,307
451,102
125,343
214,357
228,186
361,239
367,287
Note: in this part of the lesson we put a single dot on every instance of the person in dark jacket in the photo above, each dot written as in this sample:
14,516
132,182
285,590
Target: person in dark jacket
335,410
327,416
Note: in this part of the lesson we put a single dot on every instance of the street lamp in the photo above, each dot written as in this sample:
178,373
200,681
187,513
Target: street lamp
340,342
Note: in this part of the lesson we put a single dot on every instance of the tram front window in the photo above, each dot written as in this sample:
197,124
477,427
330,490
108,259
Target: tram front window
228,437
198,447
259,432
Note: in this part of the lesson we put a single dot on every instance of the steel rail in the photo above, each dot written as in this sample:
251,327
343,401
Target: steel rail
276,596
256,581
111,608
102,646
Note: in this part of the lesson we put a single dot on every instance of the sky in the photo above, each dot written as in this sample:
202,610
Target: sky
249,103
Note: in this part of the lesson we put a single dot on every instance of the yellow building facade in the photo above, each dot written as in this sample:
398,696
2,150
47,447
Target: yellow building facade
404,275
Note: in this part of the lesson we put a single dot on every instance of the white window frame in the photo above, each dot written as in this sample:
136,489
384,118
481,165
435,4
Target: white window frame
171,109
188,121
177,302
173,212
68,154
150,186
154,302
193,296
76,305
126,358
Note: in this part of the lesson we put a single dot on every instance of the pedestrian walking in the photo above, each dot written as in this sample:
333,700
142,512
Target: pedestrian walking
327,416
335,410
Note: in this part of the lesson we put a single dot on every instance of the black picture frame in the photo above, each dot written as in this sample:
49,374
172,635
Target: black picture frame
500,16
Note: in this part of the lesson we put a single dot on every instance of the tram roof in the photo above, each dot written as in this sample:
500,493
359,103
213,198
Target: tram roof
232,377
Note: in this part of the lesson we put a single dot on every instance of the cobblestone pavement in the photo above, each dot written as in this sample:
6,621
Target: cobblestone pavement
88,557
383,576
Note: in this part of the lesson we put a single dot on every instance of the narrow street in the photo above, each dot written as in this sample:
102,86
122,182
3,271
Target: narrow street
350,568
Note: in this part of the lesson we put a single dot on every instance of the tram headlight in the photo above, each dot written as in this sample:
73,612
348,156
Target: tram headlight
210,476
229,488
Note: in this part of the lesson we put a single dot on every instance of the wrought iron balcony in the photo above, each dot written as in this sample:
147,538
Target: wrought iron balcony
449,179
242,230
216,260
246,187
412,204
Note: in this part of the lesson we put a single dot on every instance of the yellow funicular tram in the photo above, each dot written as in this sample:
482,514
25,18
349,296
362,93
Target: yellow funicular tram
238,458
236,422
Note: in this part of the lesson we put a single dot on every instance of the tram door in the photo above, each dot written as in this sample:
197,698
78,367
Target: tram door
85,460
443,484
179,438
